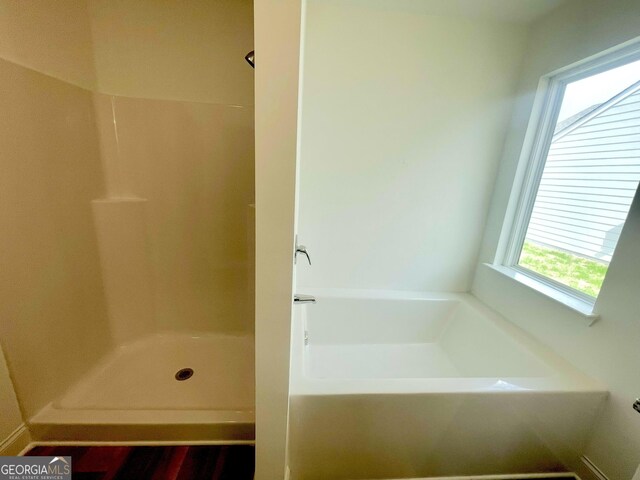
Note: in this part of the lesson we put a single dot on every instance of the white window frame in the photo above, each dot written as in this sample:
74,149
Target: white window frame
531,165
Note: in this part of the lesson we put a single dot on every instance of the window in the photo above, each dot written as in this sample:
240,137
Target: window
581,172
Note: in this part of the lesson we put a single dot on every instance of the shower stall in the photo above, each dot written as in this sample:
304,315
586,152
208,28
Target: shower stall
174,236
129,212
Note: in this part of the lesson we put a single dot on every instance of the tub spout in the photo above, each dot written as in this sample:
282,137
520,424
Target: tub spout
299,298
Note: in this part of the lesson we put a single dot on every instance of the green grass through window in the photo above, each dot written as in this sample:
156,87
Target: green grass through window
577,272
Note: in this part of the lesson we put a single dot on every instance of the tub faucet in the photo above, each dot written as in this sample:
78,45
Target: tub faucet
300,298
303,250
300,249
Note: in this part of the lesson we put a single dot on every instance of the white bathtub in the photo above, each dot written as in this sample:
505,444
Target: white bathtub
386,385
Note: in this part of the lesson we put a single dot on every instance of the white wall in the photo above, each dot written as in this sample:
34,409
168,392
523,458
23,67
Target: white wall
609,350
277,33
403,120
164,49
53,38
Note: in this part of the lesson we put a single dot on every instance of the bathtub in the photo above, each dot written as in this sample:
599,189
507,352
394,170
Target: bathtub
390,385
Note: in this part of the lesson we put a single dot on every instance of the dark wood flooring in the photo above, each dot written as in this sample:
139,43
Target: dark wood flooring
220,462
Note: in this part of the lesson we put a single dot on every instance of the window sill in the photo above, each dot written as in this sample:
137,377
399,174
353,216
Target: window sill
578,305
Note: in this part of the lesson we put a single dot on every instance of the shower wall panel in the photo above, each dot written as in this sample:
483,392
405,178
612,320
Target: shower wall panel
53,317
121,227
175,120
193,163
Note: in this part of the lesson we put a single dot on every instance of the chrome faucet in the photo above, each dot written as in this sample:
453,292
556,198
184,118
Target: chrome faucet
300,298
301,249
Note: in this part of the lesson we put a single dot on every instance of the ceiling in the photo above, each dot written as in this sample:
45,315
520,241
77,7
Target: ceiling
520,11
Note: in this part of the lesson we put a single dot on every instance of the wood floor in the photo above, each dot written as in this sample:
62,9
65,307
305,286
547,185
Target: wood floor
224,462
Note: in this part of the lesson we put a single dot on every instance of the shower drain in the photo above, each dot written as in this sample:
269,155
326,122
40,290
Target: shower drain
184,374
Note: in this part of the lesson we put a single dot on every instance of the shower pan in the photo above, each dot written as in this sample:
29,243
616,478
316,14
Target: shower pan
165,387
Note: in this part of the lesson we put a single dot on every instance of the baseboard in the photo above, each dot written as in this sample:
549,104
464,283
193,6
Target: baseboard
15,443
587,470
